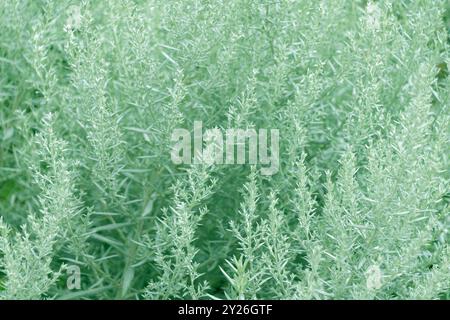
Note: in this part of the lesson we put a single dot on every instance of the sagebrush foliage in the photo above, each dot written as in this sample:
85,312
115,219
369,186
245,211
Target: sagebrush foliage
91,91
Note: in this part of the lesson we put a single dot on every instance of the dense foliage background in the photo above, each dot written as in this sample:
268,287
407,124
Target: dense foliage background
90,92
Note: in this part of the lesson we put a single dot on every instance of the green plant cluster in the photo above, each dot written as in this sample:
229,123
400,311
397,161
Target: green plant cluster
91,91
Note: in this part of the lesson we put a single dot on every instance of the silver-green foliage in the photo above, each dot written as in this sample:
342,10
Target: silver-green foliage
90,92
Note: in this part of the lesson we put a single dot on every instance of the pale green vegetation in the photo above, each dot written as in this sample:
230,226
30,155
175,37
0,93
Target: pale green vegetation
90,92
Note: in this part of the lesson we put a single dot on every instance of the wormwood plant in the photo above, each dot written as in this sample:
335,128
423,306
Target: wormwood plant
91,92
